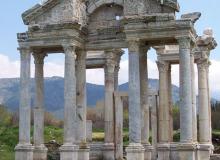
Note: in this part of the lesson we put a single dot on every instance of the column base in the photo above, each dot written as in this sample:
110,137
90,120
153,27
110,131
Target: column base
83,153
24,152
204,151
163,150
69,152
148,151
40,153
135,151
109,151
183,151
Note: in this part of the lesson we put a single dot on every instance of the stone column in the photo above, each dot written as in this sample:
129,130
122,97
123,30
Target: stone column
117,68
170,100
81,103
69,151
135,150
205,44
144,102
40,151
154,126
204,120
118,54
24,149
118,126
164,111
109,106
194,112
185,91
186,148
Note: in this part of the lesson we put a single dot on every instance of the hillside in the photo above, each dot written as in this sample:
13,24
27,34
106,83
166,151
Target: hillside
54,97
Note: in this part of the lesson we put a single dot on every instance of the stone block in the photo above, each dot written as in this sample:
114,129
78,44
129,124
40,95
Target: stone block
40,153
108,151
163,150
204,151
89,131
183,151
148,152
69,152
135,151
24,152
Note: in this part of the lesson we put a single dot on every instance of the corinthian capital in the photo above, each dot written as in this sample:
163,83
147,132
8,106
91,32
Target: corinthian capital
184,42
163,66
69,48
133,46
39,57
203,64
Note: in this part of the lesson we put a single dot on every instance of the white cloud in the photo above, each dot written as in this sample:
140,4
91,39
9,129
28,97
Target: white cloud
11,69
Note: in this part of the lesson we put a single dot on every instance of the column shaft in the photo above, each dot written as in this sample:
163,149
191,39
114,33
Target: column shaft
109,146
170,103
194,112
39,100
164,108
25,99
204,112
144,96
109,106
69,95
81,97
185,91
134,96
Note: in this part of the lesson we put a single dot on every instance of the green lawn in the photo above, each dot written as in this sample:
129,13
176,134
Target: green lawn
9,138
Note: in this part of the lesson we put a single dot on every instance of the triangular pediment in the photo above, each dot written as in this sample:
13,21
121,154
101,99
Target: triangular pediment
39,10
55,12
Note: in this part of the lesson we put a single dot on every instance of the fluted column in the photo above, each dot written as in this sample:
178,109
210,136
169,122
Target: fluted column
194,110
135,150
145,116
117,68
185,90
81,103
40,151
144,95
24,149
69,150
164,115
204,115
109,105
170,100
163,146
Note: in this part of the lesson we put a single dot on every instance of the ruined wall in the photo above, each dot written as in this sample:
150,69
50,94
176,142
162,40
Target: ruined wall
142,7
63,12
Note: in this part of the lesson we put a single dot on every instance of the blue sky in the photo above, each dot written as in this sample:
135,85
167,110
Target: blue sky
11,23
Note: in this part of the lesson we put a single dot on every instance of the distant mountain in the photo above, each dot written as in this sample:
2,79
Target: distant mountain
54,93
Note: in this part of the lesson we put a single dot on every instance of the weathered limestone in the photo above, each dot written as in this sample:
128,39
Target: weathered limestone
186,148
164,111
194,110
144,102
118,126
135,151
109,106
81,104
110,26
24,149
40,151
205,44
89,130
69,151
154,121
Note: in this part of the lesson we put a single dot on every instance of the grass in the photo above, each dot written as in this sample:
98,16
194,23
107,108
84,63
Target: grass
9,138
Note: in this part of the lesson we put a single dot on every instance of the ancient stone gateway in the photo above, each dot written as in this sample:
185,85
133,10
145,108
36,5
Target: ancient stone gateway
77,29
